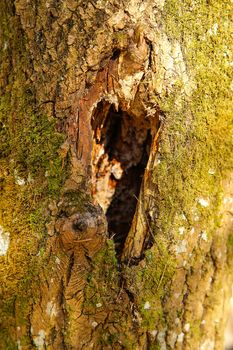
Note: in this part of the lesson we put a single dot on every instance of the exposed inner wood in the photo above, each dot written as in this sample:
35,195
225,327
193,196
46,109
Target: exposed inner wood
120,154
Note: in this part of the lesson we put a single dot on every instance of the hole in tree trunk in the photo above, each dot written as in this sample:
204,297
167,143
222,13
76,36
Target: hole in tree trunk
119,158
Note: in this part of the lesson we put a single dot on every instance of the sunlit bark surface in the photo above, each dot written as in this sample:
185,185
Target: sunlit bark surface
116,174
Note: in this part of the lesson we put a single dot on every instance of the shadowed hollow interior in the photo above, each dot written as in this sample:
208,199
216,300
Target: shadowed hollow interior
120,153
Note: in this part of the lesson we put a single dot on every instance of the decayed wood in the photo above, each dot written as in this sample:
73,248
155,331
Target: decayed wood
75,246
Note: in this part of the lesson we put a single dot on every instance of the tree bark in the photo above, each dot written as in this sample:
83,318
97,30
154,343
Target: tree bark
115,174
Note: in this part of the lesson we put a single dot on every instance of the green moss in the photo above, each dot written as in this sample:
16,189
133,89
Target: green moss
74,201
230,250
194,149
155,347
195,329
7,341
120,39
103,275
31,142
104,286
150,281
108,339
196,140
197,136
230,241
31,174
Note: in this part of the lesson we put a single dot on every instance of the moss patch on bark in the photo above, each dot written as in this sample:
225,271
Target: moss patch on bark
31,175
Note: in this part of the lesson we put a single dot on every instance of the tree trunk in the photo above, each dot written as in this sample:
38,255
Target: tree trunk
116,174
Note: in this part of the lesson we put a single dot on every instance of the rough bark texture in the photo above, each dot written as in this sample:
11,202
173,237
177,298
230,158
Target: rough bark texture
115,104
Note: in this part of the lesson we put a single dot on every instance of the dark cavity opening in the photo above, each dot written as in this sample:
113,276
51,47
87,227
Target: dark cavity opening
116,54
120,155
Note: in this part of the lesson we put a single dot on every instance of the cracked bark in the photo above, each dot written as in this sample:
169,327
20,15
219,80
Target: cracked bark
88,63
